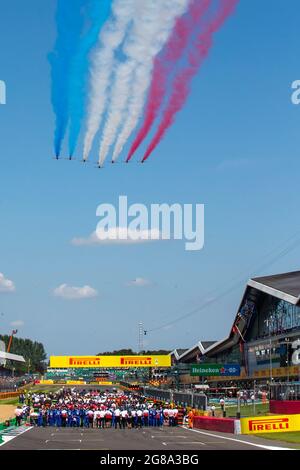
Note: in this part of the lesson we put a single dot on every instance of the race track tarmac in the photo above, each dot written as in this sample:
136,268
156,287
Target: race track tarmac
164,438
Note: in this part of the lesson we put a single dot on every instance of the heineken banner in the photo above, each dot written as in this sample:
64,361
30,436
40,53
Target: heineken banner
215,370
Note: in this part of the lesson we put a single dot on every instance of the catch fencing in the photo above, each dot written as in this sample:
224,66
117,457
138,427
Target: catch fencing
186,399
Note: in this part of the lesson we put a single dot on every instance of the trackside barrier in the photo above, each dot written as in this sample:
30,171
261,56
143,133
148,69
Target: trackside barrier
210,423
8,395
285,407
195,400
278,423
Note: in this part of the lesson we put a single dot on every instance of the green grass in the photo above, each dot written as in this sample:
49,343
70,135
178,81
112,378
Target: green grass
248,410
43,388
32,389
293,437
9,401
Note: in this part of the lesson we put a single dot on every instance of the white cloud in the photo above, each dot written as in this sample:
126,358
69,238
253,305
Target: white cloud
17,323
118,235
74,293
6,285
139,282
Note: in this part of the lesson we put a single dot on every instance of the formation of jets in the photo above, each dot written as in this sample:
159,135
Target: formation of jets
57,157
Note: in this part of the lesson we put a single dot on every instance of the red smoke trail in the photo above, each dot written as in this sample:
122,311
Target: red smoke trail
175,47
182,82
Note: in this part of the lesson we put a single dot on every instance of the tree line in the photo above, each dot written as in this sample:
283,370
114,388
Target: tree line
33,352
130,352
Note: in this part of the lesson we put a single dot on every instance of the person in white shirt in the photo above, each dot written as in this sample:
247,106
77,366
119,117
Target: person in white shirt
171,417
175,411
108,418
117,418
18,414
90,415
102,418
97,418
146,417
139,414
166,414
33,417
124,417
222,403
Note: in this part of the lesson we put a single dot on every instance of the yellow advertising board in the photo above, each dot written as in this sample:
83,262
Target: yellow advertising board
274,423
109,361
75,382
100,383
278,372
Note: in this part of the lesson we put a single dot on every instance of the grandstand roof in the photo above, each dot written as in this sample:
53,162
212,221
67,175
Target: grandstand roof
283,286
199,347
11,357
177,352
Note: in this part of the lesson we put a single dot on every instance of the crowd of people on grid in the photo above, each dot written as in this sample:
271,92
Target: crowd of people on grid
94,409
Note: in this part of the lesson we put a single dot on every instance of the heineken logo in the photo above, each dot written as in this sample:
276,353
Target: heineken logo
215,369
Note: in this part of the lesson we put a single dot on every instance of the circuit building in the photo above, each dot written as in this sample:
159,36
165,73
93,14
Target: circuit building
264,338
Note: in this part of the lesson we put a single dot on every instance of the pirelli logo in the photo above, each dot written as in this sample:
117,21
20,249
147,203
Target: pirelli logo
134,361
84,361
269,424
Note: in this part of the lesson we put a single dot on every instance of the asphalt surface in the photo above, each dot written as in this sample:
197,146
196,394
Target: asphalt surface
164,438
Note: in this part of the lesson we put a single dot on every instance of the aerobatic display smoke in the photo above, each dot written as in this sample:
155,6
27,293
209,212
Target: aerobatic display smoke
103,62
170,10
182,82
152,25
118,62
97,13
69,23
166,63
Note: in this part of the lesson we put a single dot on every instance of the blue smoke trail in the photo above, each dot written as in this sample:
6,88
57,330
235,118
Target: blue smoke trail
98,12
69,21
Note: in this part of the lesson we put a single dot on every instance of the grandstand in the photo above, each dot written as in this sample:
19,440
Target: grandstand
92,375
263,340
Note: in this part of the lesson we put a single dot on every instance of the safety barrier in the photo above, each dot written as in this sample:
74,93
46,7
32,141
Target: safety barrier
273,423
285,407
209,423
195,400
8,395
180,417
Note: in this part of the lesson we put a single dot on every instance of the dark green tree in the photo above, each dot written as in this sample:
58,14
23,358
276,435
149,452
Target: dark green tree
33,352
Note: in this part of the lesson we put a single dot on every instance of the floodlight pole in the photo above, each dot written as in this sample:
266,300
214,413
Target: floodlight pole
141,343
270,348
254,393
238,415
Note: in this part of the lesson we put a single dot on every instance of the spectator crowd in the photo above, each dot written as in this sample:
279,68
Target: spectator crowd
94,409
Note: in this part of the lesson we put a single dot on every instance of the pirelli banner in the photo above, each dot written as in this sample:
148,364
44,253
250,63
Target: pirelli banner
109,361
274,423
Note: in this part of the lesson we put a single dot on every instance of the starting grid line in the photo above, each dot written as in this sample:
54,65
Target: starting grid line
9,434
267,447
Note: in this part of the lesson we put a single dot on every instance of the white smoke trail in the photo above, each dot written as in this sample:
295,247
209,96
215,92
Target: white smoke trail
153,22
143,73
110,38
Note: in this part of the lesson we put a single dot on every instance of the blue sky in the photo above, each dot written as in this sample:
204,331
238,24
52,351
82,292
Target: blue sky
234,148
